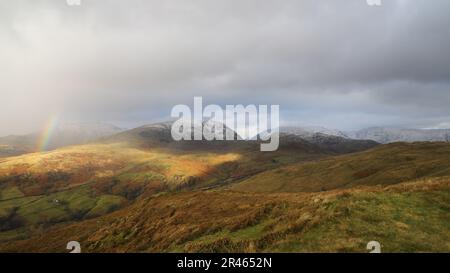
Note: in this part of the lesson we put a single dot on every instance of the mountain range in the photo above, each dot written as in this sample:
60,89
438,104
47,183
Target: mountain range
390,135
381,135
340,141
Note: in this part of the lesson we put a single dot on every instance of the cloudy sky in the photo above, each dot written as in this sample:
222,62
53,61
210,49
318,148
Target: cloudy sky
339,64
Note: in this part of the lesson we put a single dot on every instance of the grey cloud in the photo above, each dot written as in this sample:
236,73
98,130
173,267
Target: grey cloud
340,64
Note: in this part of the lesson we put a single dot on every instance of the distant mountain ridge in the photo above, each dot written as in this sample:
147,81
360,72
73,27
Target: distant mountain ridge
386,135
383,135
159,135
309,131
62,135
327,139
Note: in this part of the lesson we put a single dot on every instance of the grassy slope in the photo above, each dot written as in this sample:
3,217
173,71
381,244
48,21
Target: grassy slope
85,181
38,191
387,164
406,217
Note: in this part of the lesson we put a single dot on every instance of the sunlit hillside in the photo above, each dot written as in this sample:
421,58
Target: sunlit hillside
79,182
90,180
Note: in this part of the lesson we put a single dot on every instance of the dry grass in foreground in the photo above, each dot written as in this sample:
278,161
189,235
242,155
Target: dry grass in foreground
408,217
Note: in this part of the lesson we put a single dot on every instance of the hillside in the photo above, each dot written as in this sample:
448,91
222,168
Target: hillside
86,181
410,217
90,180
386,164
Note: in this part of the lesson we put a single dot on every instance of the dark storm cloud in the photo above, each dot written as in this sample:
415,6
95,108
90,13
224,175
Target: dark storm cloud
334,63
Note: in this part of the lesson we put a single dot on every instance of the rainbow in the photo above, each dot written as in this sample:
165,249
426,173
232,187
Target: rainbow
46,133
